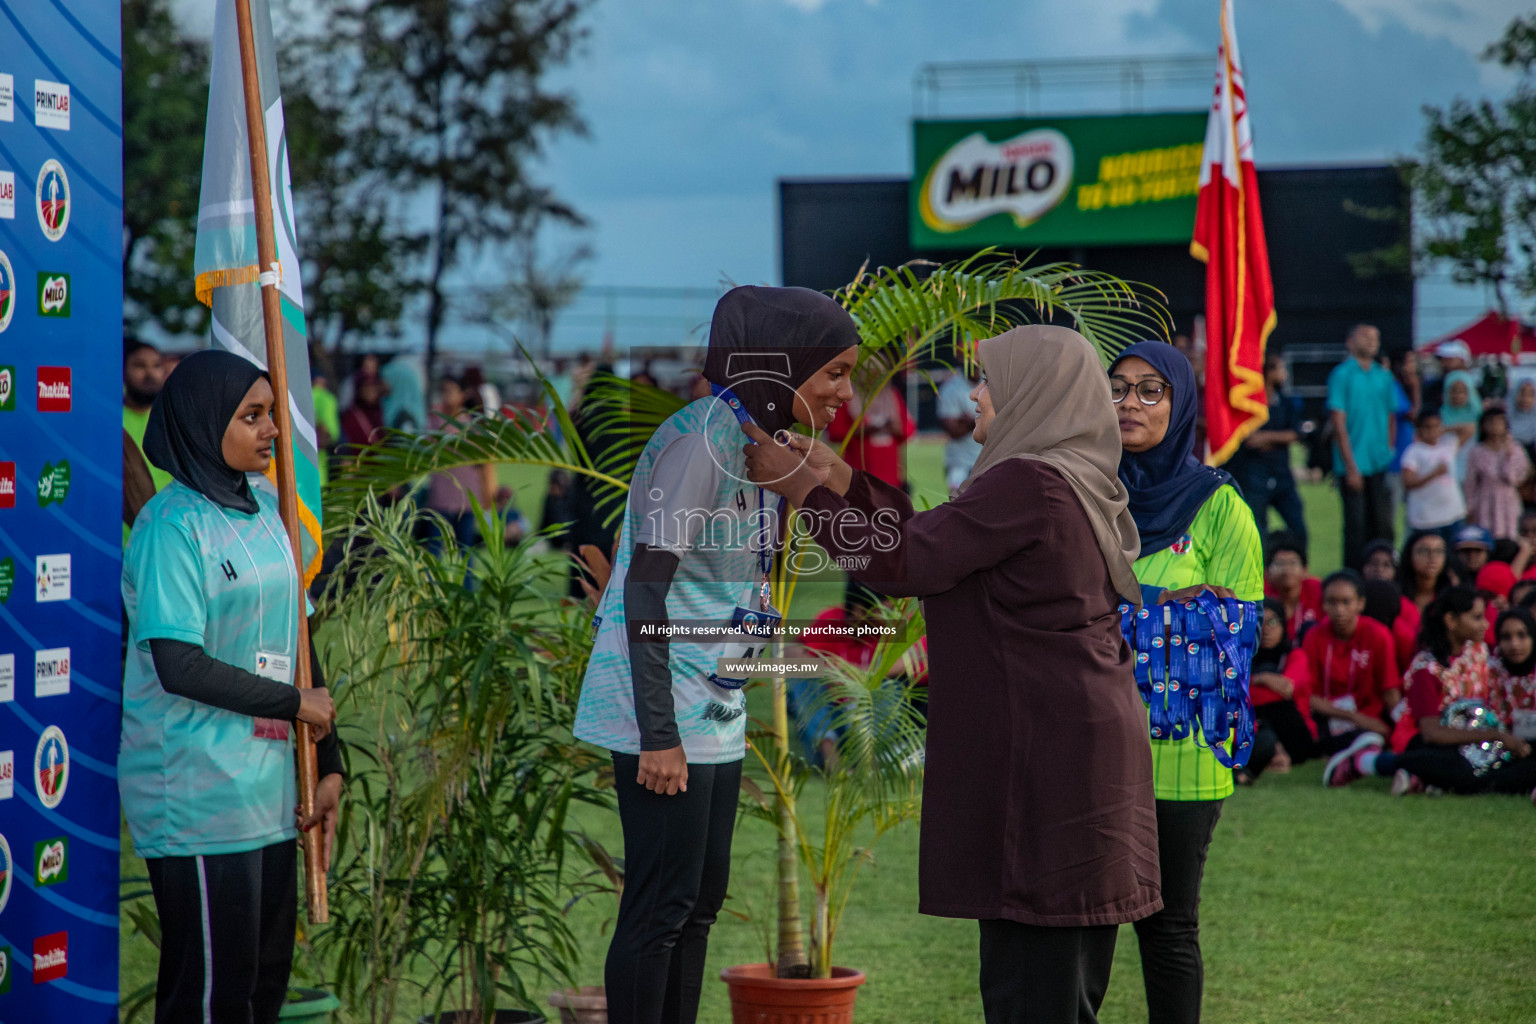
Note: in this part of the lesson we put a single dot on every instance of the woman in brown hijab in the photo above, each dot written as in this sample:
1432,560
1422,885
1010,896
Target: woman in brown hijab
1038,815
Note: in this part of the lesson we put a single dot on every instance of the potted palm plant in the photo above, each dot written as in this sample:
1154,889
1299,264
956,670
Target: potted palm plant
459,686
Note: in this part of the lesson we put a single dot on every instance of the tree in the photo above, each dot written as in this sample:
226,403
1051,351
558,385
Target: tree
453,107
165,103
1475,182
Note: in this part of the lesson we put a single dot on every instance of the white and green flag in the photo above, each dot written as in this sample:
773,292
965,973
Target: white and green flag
226,259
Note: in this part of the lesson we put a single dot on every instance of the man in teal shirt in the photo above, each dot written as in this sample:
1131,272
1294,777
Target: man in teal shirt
1361,402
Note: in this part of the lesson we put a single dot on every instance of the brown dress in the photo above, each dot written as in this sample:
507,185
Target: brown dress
1037,801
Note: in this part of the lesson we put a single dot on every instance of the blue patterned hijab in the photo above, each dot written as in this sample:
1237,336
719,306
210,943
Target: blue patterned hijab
1167,483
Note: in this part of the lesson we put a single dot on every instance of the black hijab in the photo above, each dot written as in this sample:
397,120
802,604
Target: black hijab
1526,667
1272,659
185,433
765,342
1168,485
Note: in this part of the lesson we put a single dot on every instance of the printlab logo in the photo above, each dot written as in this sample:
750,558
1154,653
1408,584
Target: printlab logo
50,104
7,869
50,767
7,485
50,957
53,484
7,577
51,861
7,195
7,291
7,389
7,774
50,672
52,294
53,200
1025,176
53,389
52,578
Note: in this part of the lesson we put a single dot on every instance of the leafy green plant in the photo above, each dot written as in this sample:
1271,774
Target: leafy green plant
457,684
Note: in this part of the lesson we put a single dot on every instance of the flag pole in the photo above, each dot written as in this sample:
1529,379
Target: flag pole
287,490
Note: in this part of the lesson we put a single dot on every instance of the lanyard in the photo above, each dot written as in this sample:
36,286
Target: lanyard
768,542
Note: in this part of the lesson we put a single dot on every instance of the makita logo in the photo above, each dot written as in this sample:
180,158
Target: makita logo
50,957
53,389
7,485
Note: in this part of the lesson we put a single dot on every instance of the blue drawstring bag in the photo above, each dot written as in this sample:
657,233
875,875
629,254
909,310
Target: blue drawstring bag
1194,660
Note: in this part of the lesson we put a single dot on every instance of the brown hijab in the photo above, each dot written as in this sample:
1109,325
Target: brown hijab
1052,404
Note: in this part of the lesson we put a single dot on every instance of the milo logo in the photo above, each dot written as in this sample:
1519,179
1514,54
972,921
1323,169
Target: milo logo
51,861
53,484
52,294
7,388
5,969
7,578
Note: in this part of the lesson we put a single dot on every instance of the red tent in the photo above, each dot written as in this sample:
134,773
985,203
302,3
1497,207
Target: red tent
1489,335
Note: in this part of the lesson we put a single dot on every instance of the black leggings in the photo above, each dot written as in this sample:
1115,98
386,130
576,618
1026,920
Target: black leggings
227,923
1171,968
677,863
1035,975
1279,722
1446,768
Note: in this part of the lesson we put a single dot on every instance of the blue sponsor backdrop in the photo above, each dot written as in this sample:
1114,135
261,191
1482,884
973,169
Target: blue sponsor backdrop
60,506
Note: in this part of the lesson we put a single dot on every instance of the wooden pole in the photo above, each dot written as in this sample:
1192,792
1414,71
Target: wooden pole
287,491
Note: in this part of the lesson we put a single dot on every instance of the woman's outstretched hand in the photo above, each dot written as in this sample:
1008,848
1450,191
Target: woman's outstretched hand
1188,593
794,469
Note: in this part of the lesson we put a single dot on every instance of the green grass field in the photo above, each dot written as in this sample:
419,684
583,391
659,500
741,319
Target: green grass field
1319,906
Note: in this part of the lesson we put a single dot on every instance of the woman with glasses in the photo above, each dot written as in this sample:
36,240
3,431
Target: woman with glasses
1425,569
1197,534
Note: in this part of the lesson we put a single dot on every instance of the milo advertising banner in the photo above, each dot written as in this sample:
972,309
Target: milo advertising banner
61,308
1103,180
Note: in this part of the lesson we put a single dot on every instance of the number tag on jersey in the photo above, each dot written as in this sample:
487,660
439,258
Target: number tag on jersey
278,668
753,633
1340,726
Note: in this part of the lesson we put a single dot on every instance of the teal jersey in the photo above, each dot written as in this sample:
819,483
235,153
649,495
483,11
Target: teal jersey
689,496
196,779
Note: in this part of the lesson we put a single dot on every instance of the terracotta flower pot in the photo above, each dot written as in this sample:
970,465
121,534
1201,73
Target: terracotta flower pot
585,1005
757,997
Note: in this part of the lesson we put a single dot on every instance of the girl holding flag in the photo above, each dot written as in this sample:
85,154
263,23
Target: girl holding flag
206,763
695,550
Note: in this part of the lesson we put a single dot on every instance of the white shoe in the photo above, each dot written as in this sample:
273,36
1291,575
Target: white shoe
1343,768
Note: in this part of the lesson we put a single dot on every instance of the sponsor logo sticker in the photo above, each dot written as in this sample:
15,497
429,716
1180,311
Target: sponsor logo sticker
7,97
7,774
53,200
7,291
50,672
53,389
7,869
52,294
5,969
50,767
53,483
52,578
50,957
7,677
7,577
7,485
7,195
50,861
50,104
7,389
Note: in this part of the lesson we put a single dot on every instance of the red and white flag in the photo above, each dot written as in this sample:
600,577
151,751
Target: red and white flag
1229,240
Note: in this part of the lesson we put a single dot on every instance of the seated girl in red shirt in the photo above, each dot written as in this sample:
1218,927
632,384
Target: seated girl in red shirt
1281,691
1452,666
1354,669
1286,580
1512,686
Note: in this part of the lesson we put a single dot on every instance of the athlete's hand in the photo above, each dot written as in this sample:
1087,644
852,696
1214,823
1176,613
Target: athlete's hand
327,801
317,710
664,771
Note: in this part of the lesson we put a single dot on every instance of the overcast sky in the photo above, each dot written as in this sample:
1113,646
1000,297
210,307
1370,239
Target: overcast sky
696,107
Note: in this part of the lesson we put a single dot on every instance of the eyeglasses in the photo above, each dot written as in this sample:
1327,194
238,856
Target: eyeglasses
1148,392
